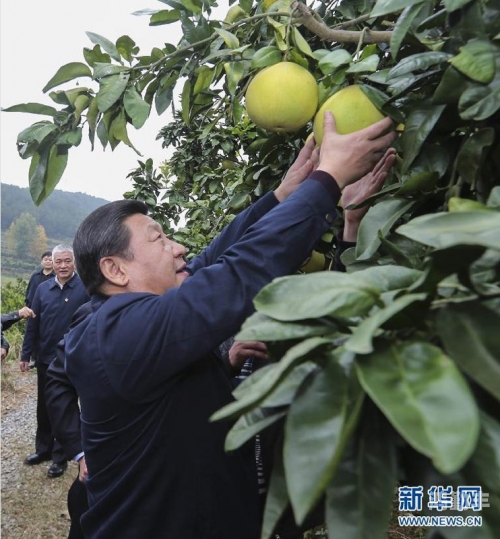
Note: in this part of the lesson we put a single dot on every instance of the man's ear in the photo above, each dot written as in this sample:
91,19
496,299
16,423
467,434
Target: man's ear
114,270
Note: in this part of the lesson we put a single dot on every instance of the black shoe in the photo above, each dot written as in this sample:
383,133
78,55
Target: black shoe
36,458
57,469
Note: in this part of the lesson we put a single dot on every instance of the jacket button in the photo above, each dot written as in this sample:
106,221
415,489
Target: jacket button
329,218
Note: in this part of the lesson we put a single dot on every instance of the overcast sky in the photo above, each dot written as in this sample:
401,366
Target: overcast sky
37,37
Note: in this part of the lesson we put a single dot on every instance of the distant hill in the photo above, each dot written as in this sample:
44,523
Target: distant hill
60,215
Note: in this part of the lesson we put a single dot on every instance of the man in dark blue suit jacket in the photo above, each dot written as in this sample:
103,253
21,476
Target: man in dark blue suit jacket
142,362
54,304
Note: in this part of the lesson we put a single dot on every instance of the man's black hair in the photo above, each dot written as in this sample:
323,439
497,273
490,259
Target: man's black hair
102,233
46,253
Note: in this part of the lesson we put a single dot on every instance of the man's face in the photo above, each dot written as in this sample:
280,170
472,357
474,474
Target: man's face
47,262
64,266
158,263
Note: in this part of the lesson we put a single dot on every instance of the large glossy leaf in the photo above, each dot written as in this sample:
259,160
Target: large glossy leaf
186,101
249,425
314,295
417,62
285,392
334,59
402,27
476,60
313,430
471,336
276,499
480,102
58,159
164,16
359,497
362,337
382,7
418,126
484,469
367,65
235,71
453,5
260,327
118,130
266,56
387,278
32,108
37,132
255,392
111,89
472,153
107,45
380,217
451,87
66,73
135,107
443,230
426,399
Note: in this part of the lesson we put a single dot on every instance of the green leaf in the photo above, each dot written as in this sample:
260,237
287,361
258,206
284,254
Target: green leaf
230,40
66,73
301,43
164,16
37,132
334,59
368,65
266,56
380,217
235,71
402,27
259,327
418,126
249,425
276,499
451,87
359,498
480,103
185,101
111,89
135,107
313,295
285,392
361,340
106,45
70,138
205,76
470,334
102,70
453,5
312,437
254,392
426,399
421,181
58,159
382,7
126,47
118,130
163,98
417,62
476,60
494,198
443,230
457,204
32,108
472,154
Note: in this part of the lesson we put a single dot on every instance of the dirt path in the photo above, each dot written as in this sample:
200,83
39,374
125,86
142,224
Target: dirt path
33,506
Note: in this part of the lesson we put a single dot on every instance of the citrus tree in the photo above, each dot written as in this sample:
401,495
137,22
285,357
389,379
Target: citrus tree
390,372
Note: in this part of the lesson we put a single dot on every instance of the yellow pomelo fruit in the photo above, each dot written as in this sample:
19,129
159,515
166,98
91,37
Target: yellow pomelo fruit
316,262
282,97
352,111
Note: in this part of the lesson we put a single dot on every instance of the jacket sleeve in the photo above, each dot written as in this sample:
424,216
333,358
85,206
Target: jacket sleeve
10,319
62,399
4,343
32,327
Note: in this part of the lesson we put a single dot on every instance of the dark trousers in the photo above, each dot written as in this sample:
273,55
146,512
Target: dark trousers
45,444
77,505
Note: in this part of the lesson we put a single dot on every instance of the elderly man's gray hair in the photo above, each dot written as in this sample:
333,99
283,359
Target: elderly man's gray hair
61,248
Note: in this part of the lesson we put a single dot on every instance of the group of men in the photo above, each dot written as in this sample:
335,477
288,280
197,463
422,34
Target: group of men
144,357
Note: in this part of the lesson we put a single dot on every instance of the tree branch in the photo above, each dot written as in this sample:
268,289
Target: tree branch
305,16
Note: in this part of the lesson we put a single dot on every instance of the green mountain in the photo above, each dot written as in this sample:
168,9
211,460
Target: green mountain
60,215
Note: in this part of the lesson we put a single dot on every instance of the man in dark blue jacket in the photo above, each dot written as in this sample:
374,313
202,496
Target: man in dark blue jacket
142,362
54,304
45,273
